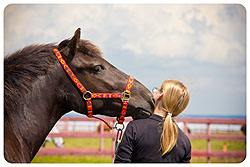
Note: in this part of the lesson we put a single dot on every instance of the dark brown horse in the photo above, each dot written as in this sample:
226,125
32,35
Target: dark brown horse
38,92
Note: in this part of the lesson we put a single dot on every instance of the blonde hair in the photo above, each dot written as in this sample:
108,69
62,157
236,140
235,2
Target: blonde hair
175,99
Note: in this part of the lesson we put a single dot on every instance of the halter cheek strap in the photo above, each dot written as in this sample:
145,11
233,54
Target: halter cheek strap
87,95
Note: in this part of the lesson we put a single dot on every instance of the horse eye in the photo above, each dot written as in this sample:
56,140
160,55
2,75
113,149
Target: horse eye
98,68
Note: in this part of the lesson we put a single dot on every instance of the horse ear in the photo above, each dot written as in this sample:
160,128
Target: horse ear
72,45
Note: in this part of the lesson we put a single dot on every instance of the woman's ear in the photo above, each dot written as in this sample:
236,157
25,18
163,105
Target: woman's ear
160,95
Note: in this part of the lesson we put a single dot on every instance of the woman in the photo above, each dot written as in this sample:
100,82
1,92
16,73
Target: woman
158,138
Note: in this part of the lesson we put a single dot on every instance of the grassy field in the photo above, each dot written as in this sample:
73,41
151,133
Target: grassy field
200,144
95,143
72,159
77,142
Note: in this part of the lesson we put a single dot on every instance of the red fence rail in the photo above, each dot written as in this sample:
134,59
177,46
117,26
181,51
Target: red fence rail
208,136
101,151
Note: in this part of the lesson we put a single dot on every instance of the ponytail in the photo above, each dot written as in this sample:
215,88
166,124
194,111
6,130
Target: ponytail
169,135
175,99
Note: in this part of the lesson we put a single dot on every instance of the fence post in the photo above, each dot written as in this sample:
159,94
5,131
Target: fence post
113,148
185,128
208,142
66,126
101,139
113,143
74,126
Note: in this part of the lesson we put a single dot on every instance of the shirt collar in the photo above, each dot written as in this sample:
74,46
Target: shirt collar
156,117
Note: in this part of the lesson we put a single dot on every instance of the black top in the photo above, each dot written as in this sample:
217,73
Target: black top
141,143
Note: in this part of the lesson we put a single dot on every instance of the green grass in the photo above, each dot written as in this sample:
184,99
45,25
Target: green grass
77,142
72,159
233,145
216,160
83,142
199,144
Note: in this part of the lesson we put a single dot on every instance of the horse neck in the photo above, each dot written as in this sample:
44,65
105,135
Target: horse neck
35,116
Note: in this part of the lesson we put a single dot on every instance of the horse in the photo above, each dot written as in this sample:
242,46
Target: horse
38,92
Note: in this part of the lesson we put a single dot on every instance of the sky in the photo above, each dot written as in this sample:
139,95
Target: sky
203,46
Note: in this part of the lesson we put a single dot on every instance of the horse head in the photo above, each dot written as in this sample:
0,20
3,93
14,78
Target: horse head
98,76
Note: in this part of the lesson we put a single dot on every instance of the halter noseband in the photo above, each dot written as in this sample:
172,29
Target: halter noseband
87,95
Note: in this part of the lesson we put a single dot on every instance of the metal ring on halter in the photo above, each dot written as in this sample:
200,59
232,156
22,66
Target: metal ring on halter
117,127
87,95
126,96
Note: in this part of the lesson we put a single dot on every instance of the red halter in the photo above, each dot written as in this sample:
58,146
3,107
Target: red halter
87,95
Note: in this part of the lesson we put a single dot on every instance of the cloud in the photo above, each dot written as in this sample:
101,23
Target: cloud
218,50
208,33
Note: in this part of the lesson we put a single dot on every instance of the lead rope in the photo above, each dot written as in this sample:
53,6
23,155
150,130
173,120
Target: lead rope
118,140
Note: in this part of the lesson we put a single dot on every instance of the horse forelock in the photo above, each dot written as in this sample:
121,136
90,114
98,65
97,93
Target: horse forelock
88,48
85,46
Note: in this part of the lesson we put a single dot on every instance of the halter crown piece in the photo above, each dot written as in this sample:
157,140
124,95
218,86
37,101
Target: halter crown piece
87,95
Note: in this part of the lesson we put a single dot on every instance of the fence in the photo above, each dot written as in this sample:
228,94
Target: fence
81,134
208,136
110,151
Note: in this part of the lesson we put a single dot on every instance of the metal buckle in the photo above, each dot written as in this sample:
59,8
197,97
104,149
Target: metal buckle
118,126
87,95
126,96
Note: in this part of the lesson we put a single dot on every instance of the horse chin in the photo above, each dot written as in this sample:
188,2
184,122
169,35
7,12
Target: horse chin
109,113
141,113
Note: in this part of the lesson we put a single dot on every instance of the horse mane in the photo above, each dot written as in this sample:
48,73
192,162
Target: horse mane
25,66
22,68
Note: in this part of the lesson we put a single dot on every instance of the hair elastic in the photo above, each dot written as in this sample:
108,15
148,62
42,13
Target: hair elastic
170,114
